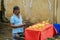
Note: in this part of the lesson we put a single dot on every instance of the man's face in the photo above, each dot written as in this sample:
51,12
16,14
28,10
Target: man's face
16,12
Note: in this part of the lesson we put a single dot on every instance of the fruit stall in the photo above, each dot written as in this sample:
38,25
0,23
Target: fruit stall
40,31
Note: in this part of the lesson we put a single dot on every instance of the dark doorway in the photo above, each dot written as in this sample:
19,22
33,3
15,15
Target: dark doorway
2,11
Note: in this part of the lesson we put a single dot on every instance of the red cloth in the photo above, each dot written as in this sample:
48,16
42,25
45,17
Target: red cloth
42,34
47,32
32,35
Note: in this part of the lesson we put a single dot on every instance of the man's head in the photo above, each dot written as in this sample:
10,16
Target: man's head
16,10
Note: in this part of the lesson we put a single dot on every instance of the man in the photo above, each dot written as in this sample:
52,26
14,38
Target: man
16,23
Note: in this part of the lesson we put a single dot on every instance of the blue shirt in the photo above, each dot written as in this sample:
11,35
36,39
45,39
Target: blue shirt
16,21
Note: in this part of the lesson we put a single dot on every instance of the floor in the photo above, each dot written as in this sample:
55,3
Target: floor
5,32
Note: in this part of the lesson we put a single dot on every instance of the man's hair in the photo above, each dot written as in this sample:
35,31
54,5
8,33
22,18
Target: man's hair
16,8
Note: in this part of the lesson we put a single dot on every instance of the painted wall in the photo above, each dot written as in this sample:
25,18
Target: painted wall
33,10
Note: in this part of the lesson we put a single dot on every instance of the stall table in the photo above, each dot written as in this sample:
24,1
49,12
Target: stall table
40,34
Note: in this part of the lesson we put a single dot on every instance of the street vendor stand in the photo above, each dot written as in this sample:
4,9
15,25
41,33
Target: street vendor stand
40,34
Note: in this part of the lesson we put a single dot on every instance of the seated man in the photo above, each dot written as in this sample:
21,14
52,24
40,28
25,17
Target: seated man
16,23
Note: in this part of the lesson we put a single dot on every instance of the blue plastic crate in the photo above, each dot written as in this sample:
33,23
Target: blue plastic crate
57,26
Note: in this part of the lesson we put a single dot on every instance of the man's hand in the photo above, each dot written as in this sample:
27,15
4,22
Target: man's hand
22,24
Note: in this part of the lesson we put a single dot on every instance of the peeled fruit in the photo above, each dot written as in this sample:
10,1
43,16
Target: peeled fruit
43,25
39,25
43,22
47,23
30,27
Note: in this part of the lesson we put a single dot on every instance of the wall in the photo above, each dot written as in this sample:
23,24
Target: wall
9,4
38,11
58,12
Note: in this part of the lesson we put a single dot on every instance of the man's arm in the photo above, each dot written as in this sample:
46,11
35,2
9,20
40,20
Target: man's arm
15,26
